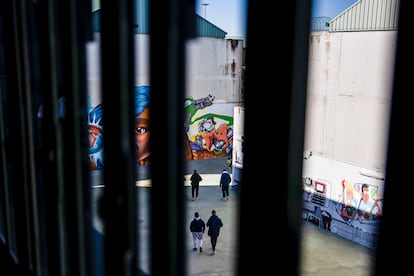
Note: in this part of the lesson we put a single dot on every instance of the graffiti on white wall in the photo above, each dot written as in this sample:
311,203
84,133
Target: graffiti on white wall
209,128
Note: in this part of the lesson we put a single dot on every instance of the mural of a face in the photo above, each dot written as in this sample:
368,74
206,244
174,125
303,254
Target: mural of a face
207,125
349,194
365,193
142,137
142,125
95,134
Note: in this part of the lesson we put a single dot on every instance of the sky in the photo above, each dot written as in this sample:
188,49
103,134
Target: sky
228,15
330,8
231,15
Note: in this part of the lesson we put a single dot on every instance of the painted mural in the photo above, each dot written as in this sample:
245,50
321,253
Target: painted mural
142,130
142,125
209,128
95,131
355,215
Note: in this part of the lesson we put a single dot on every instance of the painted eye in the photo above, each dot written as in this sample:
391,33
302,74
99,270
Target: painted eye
141,130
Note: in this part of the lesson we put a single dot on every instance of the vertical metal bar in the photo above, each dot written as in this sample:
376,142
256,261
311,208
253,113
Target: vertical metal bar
117,58
5,183
169,31
24,71
73,23
6,186
296,120
394,239
51,171
274,191
19,149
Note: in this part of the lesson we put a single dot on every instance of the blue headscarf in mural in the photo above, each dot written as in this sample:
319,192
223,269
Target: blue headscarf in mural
142,99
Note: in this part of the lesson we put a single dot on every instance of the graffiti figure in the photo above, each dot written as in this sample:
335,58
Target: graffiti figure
368,208
95,131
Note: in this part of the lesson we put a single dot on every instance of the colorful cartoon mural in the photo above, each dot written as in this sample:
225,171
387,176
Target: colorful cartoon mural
208,134
355,215
208,128
360,202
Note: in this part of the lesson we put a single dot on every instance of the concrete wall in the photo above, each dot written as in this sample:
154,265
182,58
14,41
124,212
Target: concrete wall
214,87
214,67
349,95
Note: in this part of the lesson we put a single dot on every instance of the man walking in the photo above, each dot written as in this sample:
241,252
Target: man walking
225,180
214,224
195,184
197,228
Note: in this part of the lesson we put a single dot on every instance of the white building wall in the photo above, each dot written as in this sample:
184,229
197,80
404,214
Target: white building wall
349,95
142,69
213,89
142,60
210,69
214,67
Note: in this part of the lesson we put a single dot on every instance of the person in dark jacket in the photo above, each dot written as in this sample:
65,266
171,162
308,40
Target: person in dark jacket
195,184
214,224
225,180
197,228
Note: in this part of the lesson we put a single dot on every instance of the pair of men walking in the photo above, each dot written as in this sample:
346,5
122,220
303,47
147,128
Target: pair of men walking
198,226
225,180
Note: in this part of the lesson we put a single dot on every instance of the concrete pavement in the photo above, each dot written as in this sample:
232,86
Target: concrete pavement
222,263
210,197
318,246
